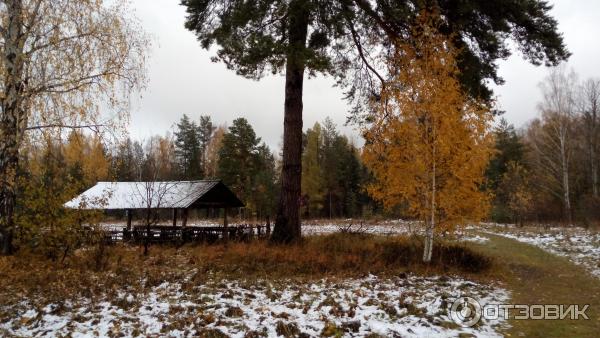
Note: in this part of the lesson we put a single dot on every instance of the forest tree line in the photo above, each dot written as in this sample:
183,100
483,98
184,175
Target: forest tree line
94,59
60,168
546,171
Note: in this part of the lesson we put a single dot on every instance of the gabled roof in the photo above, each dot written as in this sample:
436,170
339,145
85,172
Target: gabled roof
156,195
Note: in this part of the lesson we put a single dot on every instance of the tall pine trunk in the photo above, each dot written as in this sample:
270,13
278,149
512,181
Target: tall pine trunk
12,121
287,224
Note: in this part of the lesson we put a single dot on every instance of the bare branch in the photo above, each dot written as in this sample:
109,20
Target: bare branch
93,127
357,43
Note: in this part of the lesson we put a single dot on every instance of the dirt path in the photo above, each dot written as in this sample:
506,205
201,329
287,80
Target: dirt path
537,277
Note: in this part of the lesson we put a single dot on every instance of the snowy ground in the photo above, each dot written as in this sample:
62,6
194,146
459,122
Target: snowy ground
310,227
474,238
405,306
579,245
389,227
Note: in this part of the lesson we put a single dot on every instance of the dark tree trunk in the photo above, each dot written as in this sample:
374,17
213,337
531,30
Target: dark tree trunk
287,223
147,239
8,168
12,121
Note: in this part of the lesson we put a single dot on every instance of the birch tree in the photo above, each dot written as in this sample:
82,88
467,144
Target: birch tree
551,137
61,62
211,165
429,142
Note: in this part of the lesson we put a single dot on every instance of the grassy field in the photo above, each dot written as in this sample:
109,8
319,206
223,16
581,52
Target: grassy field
537,277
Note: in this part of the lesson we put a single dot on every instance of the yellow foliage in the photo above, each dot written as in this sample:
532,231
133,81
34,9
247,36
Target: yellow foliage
53,173
515,186
88,155
428,142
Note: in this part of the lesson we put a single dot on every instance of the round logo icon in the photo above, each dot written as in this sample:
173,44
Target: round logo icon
465,311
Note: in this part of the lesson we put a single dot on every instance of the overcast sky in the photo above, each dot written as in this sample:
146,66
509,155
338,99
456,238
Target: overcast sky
183,80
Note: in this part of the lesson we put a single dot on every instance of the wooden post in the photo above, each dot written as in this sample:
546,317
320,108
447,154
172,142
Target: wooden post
185,217
268,226
225,225
129,215
174,216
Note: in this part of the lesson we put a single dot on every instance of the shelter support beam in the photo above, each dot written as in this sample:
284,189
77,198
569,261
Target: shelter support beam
184,217
225,225
129,214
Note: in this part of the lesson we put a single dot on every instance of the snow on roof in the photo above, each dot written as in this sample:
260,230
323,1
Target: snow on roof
142,195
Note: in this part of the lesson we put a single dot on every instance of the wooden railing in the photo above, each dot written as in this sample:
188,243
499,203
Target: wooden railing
178,234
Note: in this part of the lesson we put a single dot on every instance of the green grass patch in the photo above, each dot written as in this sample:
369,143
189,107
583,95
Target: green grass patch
537,277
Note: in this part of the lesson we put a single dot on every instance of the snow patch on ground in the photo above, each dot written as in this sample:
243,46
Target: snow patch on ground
310,227
406,306
388,227
474,238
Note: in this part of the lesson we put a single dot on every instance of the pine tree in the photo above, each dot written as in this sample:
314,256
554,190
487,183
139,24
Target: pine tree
330,164
312,173
350,178
509,152
238,159
346,39
264,182
187,149
509,148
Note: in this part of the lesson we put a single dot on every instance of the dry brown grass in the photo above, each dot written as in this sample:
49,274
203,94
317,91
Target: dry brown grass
339,254
98,272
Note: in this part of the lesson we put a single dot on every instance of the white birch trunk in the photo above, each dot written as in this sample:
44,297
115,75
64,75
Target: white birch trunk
594,172
431,226
565,177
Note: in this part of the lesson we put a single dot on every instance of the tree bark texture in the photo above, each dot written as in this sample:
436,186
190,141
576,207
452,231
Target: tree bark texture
287,224
12,121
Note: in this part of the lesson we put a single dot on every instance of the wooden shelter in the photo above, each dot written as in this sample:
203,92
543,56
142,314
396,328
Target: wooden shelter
178,196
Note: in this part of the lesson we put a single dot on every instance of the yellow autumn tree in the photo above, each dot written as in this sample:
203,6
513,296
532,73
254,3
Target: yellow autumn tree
427,142
86,158
52,173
